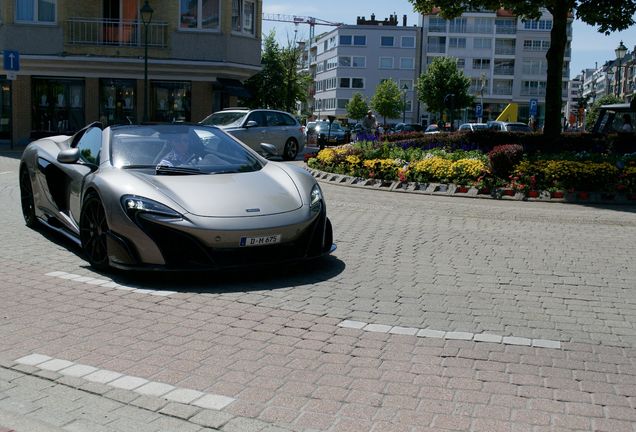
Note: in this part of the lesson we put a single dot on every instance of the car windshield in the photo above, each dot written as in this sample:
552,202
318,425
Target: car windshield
480,126
518,127
179,149
225,118
323,126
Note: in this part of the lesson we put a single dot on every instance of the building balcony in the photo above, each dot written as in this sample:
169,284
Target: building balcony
107,32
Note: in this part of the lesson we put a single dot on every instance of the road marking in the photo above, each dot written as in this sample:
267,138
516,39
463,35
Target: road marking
6,172
117,380
450,335
107,283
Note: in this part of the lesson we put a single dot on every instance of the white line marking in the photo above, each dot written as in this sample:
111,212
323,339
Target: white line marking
6,172
106,283
450,335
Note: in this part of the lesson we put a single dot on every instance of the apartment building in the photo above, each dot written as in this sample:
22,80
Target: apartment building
80,61
503,55
356,58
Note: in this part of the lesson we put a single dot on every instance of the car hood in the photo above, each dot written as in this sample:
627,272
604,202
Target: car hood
265,192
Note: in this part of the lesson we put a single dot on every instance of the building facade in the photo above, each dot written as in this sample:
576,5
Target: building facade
356,58
503,55
84,61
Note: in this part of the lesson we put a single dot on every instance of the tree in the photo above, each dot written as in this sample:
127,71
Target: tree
357,107
279,84
387,100
608,16
592,114
440,80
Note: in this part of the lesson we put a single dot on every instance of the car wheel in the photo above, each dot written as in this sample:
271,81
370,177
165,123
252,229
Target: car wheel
291,149
94,231
26,198
328,236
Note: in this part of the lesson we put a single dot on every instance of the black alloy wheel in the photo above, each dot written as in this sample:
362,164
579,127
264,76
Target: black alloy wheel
94,232
291,149
26,198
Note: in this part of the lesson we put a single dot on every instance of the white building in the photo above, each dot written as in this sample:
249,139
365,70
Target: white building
356,58
504,56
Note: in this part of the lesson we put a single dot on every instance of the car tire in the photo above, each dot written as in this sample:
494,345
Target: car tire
26,198
94,232
291,150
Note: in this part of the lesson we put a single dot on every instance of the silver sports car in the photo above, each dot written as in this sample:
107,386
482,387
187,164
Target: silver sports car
177,196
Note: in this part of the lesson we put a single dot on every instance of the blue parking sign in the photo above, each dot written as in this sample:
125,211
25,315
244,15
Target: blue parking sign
479,110
11,60
533,107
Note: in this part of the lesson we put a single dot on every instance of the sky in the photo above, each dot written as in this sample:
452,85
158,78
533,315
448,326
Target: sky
589,47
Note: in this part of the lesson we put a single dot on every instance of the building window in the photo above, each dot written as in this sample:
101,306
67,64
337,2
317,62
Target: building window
345,40
344,61
461,63
482,43
332,63
436,24
535,67
505,47
357,83
455,42
407,83
408,42
407,63
243,16
342,103
386,62
483,25
386,41
533,88
360,40
502,87
436,44
345,82
359,62
457,25
35,11
199,14
506,26
58,103
117,101
536,45
481,63
170,101
538,25
504,67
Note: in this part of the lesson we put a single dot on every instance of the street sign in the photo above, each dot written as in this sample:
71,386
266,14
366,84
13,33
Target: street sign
11,60
11,76
479,110
533,107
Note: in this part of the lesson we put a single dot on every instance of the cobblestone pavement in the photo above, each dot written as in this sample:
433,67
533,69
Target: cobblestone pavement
433,314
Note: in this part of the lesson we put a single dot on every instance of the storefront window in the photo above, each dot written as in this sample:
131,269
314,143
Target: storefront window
117,101
58,105
5,109
170,101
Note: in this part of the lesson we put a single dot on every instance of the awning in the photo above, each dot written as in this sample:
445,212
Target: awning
233,87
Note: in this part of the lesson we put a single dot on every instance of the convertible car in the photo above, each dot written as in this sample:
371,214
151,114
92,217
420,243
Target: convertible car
132,202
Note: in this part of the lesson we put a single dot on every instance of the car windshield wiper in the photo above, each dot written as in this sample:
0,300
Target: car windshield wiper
137,166
166,169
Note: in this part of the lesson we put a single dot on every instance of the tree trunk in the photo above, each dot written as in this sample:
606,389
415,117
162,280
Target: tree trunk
554,56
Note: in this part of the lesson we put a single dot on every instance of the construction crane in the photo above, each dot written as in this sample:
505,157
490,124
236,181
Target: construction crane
295,19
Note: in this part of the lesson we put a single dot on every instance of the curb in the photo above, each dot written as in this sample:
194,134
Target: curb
450,189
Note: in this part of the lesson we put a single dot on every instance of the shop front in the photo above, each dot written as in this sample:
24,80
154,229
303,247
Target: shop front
5,109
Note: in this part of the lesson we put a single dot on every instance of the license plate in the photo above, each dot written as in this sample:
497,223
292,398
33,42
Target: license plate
260,241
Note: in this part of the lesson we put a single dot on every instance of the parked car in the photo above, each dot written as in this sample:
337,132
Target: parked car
254,127
120,195
432,129
611,118
406,127
502,126
335,134
472,127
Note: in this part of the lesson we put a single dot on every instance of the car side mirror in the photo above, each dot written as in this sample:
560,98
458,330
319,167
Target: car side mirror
251,123
68,156
269,150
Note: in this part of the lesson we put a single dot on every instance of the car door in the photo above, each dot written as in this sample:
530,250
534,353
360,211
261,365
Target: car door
253,136
90,146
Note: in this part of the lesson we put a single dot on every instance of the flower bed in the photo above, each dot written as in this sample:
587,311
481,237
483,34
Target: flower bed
603,173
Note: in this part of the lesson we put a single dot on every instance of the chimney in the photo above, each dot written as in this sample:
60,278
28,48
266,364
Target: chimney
404,17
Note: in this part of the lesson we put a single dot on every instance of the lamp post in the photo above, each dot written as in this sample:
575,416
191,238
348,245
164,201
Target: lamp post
146,16
482,82
318,104
620,52
404,89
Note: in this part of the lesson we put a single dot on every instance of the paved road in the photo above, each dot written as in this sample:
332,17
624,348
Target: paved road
434,314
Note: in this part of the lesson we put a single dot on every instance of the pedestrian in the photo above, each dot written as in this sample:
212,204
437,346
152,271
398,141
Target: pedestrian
532,124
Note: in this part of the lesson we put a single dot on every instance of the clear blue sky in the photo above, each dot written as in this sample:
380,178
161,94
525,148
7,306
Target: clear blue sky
588,46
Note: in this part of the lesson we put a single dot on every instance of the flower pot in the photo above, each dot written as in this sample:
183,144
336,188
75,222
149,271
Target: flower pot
584,196
508,192
533,194
484,191
556,194
461,189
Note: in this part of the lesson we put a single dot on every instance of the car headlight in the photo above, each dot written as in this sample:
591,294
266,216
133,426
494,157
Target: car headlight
316,199
134,205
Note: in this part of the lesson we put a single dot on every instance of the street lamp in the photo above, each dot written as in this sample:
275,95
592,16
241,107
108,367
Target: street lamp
146,16
482,82
319,104
404,89
620,52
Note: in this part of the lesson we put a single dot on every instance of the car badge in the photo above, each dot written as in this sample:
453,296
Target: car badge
253,210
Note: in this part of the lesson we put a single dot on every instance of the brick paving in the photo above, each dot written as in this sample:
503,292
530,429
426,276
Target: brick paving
273,340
